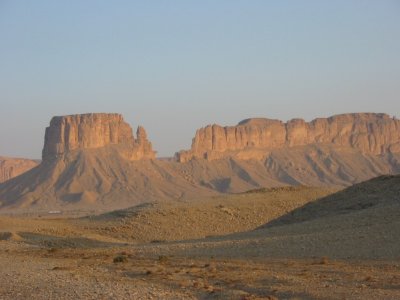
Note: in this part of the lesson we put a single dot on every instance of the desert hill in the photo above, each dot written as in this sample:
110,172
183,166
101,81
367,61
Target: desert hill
311,165
102,179
12,167
360,222
95,162
337,151
95,179
382,192
351,256
210,216
169,220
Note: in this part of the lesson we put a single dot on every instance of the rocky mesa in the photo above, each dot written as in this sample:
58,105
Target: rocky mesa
370,133
94,162
12,167
95,130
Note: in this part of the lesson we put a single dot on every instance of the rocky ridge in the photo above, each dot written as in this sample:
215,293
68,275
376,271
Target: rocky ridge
94,162
369,133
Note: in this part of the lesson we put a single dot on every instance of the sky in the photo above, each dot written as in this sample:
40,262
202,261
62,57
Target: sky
175,66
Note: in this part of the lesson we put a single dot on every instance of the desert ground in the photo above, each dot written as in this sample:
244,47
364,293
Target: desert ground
232,150
279,243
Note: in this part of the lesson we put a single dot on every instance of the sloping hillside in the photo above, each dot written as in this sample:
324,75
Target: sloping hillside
360,222
95,179
101,179
378,193
313,165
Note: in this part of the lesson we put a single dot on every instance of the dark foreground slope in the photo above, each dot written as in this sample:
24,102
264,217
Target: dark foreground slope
378,194
344,246
361,222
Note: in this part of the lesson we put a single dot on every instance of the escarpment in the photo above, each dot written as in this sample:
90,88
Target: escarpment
94,162
97,130
369,133
12,167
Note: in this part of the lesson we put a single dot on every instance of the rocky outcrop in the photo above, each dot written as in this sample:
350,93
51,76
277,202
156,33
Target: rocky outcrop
87,161
143,146
252,138
12,167
97,130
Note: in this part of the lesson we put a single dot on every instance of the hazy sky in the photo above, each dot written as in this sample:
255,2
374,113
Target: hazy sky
175,66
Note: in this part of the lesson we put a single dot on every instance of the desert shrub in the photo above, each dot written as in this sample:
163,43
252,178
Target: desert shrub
157,241
163,259
5,236
120,259
324,260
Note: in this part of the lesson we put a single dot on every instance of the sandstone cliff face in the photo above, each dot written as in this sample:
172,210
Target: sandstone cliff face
92,172
143,146
12,167
253,138
88,131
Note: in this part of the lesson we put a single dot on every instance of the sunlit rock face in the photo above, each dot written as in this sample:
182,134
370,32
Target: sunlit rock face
88,131
368,132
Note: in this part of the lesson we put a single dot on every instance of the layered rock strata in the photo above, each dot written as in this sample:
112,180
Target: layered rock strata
252,138
96,130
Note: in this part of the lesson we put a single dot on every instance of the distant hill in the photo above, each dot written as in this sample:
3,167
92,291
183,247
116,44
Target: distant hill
369,133
95,162
95,179
12,167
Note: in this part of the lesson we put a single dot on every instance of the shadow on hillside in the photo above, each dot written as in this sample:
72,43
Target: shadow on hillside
63,242
379,191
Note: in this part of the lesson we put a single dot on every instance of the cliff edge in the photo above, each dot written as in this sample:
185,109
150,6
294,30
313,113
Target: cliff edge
370,133
96,130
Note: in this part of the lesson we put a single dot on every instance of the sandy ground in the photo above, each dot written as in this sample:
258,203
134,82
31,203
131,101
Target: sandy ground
125,254
30,272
